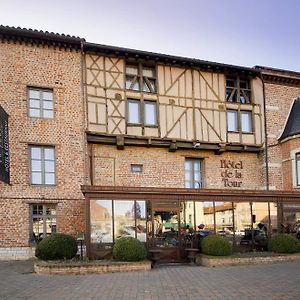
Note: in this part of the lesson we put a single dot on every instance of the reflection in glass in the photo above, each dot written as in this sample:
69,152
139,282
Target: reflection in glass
101,221
141,220
124,222
224,218
208,210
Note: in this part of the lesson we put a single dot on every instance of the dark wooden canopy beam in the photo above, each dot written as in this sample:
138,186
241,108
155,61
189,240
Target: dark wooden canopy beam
183,194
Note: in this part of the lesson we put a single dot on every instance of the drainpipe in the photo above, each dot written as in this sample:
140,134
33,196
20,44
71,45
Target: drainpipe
266,152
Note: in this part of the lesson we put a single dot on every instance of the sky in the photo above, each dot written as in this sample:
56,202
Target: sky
238,32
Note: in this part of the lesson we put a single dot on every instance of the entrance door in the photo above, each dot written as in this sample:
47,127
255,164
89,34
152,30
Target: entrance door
166,233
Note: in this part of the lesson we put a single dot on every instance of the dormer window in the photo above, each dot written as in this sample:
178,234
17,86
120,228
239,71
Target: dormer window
141,78
238,90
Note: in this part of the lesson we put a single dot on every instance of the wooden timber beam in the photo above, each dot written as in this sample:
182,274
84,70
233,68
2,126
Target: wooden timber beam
122,141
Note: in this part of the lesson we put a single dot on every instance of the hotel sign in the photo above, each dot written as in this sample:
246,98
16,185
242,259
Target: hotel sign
4,146
231,173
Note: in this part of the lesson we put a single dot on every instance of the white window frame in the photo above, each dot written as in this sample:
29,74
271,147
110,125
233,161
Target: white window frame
142,113
239,124
42,161
38,104
197,184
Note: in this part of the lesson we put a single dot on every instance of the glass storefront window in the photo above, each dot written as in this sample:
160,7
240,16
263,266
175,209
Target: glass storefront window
101,221
209,218
224,218
111,219
140,215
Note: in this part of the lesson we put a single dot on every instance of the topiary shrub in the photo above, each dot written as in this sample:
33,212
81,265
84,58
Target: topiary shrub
283,243
216,245
56,246
129,249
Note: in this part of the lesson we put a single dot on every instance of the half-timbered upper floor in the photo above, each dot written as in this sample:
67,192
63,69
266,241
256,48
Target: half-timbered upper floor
142,98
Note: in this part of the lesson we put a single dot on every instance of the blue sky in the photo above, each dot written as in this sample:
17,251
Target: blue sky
248,33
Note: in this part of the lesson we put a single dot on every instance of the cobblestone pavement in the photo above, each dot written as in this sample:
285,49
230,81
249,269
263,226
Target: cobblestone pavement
276,281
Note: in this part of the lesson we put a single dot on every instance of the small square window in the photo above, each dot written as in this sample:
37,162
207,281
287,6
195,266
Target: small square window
136,168
40,102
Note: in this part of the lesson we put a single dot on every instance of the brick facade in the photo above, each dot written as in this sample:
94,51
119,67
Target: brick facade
162,168
59,69
230,160
279,100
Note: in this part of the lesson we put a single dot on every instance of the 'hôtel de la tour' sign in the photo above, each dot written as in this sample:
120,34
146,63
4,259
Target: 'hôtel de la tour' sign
4,146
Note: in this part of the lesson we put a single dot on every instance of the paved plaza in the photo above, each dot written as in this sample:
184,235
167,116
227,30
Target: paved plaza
276,281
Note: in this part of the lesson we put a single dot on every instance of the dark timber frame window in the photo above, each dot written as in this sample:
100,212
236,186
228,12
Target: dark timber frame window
40,103
239,121
238,90
42,221
141,78
193,173
298,169
42,165
142,112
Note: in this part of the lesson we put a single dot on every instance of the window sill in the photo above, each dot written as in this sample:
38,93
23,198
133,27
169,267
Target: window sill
139,91
42,185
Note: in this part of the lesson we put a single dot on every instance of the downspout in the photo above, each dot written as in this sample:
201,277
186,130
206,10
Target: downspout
266,153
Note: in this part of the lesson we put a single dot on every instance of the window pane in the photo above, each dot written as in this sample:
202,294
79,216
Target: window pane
36,165
246,124
193,176
34,112
134,112
48,114
34,94
136,85
124,212
298,168
232,121
49,153
129,80
132,70
48,95
48,105
34,103
49,178
150,113
146,88
36,177
140,215
101,221
36,153
49,166
149,72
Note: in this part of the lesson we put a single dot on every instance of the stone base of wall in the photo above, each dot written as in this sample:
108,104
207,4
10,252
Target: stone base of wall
17,253
62,268
215,261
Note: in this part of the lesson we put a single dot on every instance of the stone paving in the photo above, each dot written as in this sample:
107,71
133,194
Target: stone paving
276,281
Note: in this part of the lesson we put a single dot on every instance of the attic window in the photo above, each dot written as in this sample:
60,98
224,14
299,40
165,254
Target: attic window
238,90
141,78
